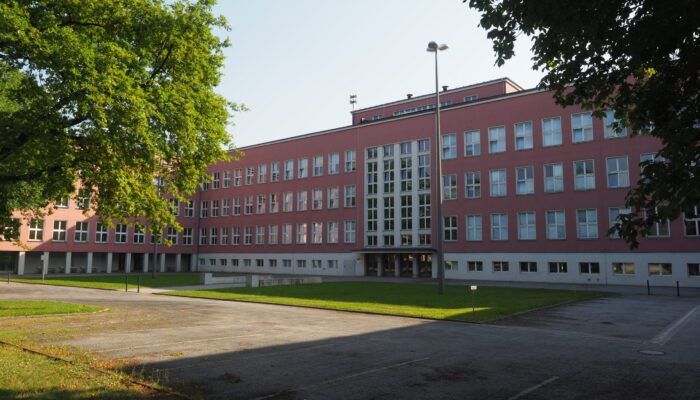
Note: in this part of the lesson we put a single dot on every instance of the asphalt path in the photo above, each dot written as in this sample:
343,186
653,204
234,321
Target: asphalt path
622,347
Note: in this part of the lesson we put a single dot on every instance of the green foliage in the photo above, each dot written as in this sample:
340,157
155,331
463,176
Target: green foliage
108,95
636,57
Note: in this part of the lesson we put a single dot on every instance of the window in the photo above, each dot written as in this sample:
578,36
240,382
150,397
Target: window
247,235
475,266
174,207
59,231
302,201
223,234
260,204
661,269
186,236
406,213
614,215
406,174
523,136
372,214
120,233
287,201
286,233
500,266
473,227
350,161
449,146
203,208
451,265
287,263
272,262
301,263
424,172
424,211
584,175
551,132
472,143
259,262
350,193
101,233
303,168
249,174
213,235
202,236
288,170
215,180
526,226
224,207
613,126
81,232
556,228
262,173
553,178
272,234
63,202
332,232
203,184
660,229
499,227
524,180
497,182
349,232
333,163
274,203
371,153
237,173
317,199
332,264
235,236
589,268
388,151
318,165
587,223
246,262
316,264
83,200
372,177
497,139
450,228
316,232
189,208
333,197
621,268
618,172
371,240
236,206
275,172
557,267
405,148
388,207
301,233
581,127
472,185
389,175
692,222
259,234
215,208
449,187
694,269
423,145
528,266
227,179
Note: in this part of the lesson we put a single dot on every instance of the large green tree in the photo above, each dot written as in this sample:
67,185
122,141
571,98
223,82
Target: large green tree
108,95
640,58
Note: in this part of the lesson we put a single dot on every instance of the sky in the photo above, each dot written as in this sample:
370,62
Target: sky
294,64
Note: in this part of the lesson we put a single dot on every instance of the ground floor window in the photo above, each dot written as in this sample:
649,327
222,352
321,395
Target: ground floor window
660,269
589,267
475,266
694,269
620,268
500,266
557,267
451,265
528,266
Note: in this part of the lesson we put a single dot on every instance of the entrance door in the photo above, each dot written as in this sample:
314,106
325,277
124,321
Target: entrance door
8,262
406,265
371,264
425,265
389,264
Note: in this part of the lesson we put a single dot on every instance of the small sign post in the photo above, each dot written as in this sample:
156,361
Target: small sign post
472,289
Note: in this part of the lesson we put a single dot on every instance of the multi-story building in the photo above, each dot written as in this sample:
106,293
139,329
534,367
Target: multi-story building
529,192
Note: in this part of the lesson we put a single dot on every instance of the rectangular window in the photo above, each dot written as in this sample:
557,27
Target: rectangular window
316,232
59,231
83,200
101,233
388,151
350,161
424,172
371,153
248,205
249,174
274,203
174,207
140,234
301,233
472,185
318,165
449,146
213,235
215,180
262,173
259,234
272,262
247,262
406,213
556,227
499,227
189,208
587,223
301,263
247,235
259,262
693,269
236,206
584,175
614,217
81,232
349,232
317,199
288,170
333,197
406,174
120,233
450,228
288,201
621,268
424,211
473,227
215,208
303,168
660,269
237,174
405,148
475,266
618,172
551,132
524,180
372,214
260,203
523,136
223,234
581,127
659,229
186,236
589,268
275,172
449,187
227,179
528,266
526,226
553,178
692,222
235,236
272,234
472,143
388,207
349,196
613,126
203,209
497,139
224,207
333,163
557,267
286,233
302,200
316,264
332,232
497,183
389,175
500,266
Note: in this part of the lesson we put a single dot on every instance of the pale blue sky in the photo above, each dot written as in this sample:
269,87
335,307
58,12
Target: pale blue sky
295,63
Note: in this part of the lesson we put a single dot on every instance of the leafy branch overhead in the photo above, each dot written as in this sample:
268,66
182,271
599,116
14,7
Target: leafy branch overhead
109,95
639,58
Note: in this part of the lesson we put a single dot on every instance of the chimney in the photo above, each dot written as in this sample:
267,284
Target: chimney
444,88
408,96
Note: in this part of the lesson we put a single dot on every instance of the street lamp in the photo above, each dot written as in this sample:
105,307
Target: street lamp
433,47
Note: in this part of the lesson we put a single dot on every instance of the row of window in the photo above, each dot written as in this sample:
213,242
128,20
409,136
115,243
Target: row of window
584,268
302,169
581,131
263,203
272,263
555,225
279,234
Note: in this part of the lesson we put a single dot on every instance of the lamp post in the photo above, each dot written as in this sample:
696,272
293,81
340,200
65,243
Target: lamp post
433,47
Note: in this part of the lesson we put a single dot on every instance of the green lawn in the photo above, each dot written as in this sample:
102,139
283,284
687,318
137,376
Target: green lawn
116,281
411,299
14,308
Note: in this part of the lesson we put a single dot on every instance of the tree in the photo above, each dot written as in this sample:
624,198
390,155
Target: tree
639,58
110,96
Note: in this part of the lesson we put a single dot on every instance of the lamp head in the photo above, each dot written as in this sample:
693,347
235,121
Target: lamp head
433,47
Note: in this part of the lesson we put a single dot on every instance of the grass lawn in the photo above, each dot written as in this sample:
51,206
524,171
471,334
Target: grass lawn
14,308
410,299
116,281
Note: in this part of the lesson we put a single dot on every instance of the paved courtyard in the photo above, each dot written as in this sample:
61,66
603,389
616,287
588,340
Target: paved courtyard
622,347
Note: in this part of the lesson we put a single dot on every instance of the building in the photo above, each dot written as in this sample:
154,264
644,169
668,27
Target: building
530,190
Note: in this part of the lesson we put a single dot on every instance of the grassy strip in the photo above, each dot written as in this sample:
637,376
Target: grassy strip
14,308
116,281
407,299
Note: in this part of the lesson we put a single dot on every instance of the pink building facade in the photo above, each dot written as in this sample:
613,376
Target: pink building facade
530,190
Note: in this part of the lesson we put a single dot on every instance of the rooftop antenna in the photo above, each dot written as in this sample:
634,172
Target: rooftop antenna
353,101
